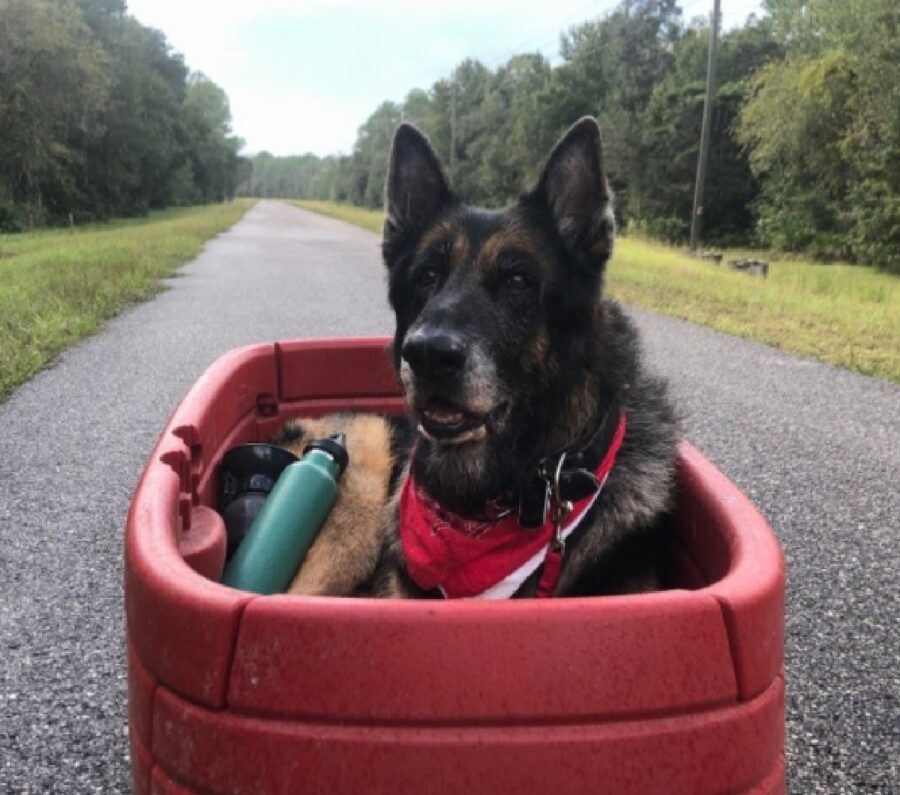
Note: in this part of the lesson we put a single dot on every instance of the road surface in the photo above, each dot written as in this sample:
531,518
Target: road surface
816,447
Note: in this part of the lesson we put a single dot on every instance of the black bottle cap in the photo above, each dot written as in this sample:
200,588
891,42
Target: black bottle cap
335,445
247,474
251,468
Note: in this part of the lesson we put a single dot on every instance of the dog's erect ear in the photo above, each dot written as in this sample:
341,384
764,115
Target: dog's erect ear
416,190
574,189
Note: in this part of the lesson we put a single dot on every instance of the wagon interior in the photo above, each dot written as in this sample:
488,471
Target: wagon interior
269,384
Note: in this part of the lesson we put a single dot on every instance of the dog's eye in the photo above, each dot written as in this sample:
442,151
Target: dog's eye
427,277
518,281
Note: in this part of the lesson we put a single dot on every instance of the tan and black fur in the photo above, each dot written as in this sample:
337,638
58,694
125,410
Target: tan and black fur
508,353
343,556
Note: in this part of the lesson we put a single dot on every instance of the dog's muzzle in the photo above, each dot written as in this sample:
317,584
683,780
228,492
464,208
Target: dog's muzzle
450,386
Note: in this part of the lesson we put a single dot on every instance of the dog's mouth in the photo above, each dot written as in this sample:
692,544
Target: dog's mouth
444,422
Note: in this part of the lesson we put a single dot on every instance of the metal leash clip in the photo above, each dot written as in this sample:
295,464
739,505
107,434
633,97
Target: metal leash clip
562,508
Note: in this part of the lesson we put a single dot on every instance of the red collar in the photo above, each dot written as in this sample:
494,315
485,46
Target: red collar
486,557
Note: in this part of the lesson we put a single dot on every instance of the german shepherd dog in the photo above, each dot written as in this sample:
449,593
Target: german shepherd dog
519,376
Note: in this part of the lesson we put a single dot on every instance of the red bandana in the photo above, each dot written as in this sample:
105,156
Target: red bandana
487,557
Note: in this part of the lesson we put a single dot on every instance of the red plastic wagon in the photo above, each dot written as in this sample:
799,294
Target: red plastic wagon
679,691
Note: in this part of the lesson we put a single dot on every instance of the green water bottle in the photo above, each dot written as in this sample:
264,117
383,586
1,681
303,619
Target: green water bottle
270,555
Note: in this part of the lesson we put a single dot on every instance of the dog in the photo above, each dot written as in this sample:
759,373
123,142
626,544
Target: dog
538,457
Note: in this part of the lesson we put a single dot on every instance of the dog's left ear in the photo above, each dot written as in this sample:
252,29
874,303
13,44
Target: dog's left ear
574,189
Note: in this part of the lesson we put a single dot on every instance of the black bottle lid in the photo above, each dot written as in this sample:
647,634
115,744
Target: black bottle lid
335,446
252,468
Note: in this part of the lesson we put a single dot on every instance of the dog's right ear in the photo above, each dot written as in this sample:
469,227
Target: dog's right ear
416,190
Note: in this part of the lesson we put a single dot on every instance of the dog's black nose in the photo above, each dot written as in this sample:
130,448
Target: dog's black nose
438,353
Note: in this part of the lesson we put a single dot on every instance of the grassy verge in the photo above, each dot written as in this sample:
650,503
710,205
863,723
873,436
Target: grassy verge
58,286
359,216
843,314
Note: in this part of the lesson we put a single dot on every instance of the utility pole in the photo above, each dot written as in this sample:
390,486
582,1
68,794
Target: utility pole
453,131
697,217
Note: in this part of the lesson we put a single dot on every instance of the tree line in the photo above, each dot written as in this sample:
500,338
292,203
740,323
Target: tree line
805,151
100,118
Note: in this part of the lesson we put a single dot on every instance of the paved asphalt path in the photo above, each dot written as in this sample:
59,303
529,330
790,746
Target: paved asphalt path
816,447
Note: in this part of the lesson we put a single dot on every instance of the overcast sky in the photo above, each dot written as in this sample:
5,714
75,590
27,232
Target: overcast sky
302,75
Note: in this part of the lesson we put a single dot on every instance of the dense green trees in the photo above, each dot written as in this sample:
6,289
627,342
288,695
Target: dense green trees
670,133
53,88
98,117
822,125
806,132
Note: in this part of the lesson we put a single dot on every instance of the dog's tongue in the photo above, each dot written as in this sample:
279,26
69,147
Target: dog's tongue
443,416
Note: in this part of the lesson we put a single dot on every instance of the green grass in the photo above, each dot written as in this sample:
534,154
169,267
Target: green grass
359,216
58,286
843,314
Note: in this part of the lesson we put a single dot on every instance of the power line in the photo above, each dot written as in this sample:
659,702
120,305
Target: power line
686,10
539,41
542,41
